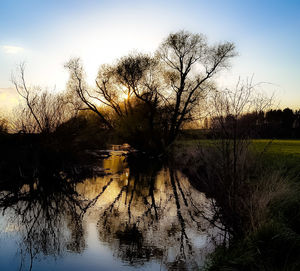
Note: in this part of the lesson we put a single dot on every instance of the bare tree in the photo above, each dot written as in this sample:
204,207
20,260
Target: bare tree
84,99
43,111
226,169
28,95
228,107
190,65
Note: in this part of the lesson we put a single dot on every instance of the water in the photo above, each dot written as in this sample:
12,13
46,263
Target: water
131,218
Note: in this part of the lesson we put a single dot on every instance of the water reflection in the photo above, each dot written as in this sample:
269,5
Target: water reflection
148,216
42,211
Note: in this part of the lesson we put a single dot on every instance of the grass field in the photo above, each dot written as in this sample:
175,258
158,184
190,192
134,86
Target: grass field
280,147
283,153
283,147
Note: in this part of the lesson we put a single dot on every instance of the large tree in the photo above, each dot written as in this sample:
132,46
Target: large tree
129,85
190,65
168,86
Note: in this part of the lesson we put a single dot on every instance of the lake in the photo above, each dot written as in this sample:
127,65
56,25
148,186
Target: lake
126,216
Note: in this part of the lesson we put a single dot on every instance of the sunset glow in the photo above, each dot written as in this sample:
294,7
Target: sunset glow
149,135
99,32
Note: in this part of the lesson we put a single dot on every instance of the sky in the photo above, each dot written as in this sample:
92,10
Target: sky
46,34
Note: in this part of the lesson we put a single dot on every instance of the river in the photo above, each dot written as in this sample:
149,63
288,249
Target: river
127,217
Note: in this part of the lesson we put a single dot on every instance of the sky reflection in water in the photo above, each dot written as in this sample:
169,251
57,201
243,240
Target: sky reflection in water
129,219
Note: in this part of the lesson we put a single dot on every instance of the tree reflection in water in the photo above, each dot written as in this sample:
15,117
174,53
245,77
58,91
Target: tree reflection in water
153,214
47,212
143,214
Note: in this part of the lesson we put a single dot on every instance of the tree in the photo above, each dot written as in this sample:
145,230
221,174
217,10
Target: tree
133,77
126,96
116,86
43,111
225,170
190,64
130,88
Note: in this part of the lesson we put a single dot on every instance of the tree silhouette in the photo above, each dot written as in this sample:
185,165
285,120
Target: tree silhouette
164,89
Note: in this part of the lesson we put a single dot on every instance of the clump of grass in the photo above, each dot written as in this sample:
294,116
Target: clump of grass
274,241
286,208
272,247
268,187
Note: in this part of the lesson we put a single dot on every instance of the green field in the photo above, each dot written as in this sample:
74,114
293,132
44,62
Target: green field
281,147
278,153
281,154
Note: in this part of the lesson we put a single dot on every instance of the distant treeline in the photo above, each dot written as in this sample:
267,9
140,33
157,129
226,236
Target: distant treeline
273,123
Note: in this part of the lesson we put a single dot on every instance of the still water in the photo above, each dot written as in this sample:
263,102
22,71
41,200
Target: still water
123,218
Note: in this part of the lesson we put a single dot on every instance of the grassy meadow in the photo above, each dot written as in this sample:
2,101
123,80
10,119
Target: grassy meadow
280,152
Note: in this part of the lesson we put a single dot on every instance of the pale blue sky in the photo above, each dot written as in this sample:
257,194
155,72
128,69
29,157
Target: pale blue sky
46,34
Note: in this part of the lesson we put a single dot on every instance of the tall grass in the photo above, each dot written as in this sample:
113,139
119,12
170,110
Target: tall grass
259,206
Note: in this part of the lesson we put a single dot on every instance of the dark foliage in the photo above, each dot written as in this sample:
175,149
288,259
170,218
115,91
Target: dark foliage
269,124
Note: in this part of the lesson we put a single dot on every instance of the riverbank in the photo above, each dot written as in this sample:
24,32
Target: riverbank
259,203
